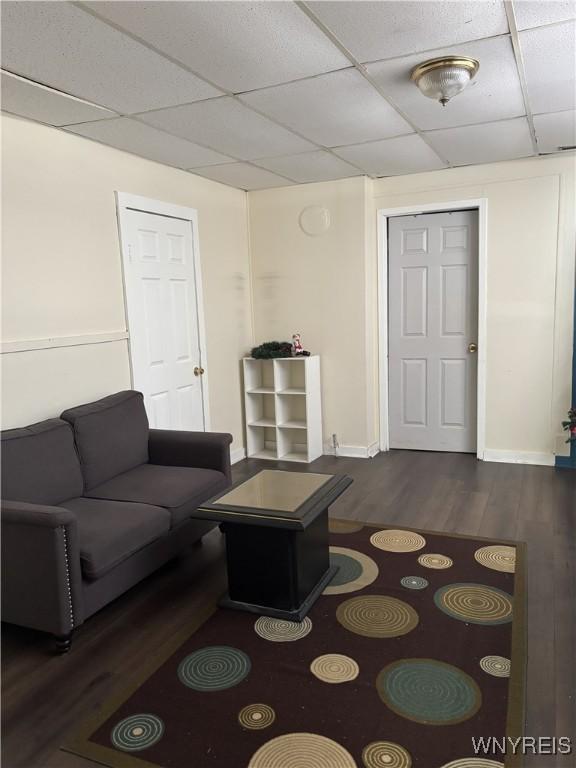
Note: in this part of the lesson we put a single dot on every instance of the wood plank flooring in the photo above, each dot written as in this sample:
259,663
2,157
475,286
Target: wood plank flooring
45,696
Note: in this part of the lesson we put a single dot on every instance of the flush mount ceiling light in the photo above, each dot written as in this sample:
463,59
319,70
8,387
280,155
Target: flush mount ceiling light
443,78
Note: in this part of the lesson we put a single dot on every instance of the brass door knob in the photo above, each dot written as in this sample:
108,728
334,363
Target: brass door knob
198,371
472,347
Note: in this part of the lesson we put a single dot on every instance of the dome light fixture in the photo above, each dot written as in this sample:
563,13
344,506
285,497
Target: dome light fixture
445,77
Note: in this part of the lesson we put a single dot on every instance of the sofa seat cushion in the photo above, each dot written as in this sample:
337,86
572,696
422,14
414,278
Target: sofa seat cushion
178,489
110,531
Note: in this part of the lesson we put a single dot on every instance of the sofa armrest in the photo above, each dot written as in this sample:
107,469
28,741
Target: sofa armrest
206,450
41,576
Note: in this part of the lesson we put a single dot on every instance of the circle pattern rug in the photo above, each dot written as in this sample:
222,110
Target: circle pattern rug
355,571
475,603
214,668
395,668
377,616
255,717
392,540
386,754
137,732
302,750
497,666
436,562
334,668
282,630
428,691
497,557
414,582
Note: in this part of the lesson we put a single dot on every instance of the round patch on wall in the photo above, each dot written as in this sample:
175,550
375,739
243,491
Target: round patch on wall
315,220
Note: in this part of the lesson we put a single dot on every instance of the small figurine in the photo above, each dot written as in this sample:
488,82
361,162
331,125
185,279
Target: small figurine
297,348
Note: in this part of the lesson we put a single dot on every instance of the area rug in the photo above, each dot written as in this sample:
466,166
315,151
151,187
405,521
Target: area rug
414,653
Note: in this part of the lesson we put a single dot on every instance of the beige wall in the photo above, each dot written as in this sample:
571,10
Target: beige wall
326,287
316,285
62,277
62,271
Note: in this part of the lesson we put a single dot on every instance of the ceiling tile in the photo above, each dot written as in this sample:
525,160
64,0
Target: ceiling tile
536,13
242,176
230,127
549,55
393,157
495,93
487,143
133,136
237,45
338,108
59,45
555,130
310,166
27,99
382,30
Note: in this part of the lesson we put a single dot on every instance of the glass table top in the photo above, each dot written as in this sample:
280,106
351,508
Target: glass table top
274,489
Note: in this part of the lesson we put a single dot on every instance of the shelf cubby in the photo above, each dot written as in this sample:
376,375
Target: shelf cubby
282,403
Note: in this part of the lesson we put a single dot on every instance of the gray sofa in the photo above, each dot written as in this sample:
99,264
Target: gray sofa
95,501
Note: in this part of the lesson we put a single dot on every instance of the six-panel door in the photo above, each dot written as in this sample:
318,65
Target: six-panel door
433,320
163,319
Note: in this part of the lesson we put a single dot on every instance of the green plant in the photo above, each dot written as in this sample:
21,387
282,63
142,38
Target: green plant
272,349
570,426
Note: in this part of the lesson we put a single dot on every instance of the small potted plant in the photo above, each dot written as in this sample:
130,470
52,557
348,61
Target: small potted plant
570,425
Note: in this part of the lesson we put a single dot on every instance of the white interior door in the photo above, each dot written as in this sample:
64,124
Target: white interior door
433,331
163,318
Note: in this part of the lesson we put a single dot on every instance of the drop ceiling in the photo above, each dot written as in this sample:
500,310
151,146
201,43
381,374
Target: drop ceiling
265,94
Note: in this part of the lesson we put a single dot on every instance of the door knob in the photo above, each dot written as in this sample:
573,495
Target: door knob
472,347
198,371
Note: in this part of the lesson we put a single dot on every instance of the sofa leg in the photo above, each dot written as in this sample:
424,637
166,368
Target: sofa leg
63,643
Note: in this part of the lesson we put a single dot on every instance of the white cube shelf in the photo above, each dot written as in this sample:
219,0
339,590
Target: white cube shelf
283,411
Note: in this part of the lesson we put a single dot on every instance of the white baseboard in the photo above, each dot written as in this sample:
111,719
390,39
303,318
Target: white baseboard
353,451
520,457
237,455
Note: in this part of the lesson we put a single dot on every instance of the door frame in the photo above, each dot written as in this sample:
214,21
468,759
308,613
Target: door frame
383,214
126,201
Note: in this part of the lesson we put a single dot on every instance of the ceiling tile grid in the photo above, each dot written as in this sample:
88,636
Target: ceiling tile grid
133,136
228,126
262,94
338,108
243,175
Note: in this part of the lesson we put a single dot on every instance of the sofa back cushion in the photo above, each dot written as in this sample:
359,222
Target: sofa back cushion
111,435
40,464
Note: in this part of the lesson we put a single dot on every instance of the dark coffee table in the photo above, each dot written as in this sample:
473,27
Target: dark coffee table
276,527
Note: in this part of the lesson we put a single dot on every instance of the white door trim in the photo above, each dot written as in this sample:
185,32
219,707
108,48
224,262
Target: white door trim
481,205
126,201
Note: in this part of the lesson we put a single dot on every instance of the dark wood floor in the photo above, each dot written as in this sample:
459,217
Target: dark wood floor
45,696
